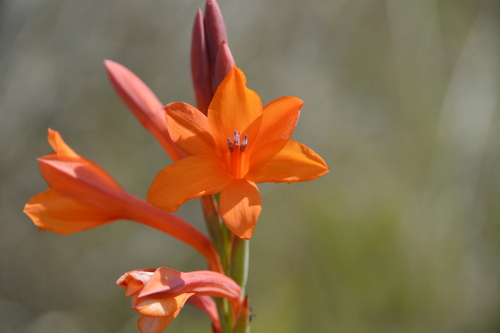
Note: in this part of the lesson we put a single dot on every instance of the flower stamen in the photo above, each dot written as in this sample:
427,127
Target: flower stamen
237,143
244,143
230,145
236,138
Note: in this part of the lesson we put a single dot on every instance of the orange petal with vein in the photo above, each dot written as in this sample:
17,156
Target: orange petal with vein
81,180
189,129
294,163
187,179
240,206
158,307
153,324
234,108
278,120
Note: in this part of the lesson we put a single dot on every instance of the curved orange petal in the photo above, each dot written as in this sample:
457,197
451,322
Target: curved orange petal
153,324
66,163
240,207
51,211
207,305
81,180
278,120
133,287
187,179
58,144
294,163
143,103
189,129
167,281
157,306
234,107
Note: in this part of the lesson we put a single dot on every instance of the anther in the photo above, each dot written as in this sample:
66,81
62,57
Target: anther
237,138
244,143
230,145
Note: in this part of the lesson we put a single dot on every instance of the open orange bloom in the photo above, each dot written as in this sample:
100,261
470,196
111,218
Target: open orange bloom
239,143
159,295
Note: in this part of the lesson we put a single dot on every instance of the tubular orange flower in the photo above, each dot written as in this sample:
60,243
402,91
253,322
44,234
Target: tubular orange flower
238,144
159,295
84,196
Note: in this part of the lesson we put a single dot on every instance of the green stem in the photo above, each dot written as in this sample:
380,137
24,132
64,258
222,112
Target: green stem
239,262
217,230
239,273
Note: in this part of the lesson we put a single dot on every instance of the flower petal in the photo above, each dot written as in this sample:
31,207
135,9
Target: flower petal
81,180
240,207
66,170
189,129
153,324
153,306
234,108
167,281
143,103
207,305
294,163
278,120
58,144
187,179
49,210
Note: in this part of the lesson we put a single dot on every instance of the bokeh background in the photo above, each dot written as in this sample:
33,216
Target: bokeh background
403,234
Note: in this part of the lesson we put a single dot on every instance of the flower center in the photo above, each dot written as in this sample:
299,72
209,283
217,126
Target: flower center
237,144
237,163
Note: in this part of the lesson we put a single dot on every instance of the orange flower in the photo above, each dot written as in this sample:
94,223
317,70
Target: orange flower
159,295
84,196
238,144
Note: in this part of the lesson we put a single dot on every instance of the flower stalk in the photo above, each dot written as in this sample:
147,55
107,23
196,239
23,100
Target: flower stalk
221,150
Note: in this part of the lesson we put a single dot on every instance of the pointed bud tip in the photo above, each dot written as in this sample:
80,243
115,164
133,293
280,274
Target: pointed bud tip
109,63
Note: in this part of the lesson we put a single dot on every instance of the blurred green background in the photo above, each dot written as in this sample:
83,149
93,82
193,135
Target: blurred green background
403,234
